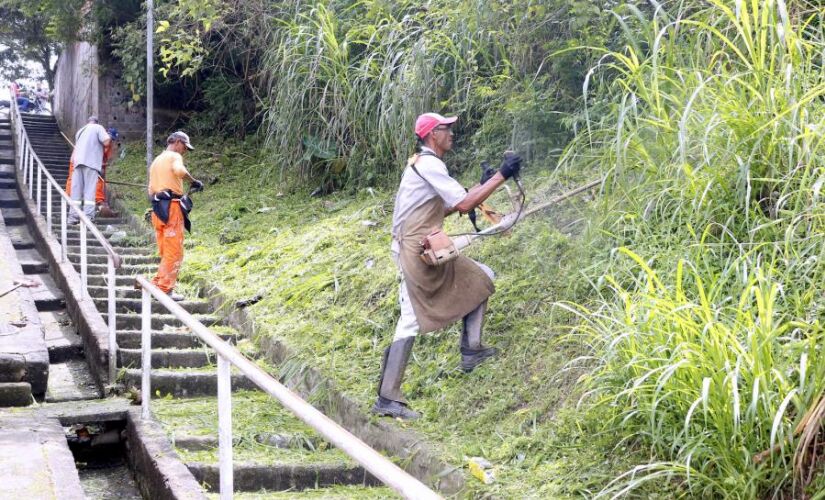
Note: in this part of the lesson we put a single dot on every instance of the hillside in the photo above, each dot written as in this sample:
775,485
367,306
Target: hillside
663,337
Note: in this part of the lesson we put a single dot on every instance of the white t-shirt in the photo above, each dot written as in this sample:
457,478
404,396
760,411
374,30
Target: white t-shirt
88,146
415,191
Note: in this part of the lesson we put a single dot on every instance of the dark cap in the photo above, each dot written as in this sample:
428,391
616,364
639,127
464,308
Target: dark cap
180,136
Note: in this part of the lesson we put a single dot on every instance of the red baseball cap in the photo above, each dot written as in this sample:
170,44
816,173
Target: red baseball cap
425,123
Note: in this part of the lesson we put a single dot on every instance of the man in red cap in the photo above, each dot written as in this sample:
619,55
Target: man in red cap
433,297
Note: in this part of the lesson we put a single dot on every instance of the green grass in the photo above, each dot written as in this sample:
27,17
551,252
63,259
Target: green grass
254,412
673,338
704,328
330,293
658,350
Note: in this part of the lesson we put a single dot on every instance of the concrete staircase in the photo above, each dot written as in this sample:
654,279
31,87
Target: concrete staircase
181,366
65,376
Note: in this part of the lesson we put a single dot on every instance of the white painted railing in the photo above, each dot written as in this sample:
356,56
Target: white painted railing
228,356
37,179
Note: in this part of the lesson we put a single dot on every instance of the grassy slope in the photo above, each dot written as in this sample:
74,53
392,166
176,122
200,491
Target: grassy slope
330,293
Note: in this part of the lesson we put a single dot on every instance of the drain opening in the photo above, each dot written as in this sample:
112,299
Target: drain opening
99,451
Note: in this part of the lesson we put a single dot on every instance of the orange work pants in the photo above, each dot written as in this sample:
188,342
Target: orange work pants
170,247
100,194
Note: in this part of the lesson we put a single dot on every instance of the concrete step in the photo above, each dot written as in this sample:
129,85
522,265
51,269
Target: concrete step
121,293
92,241
126,259
133,321
185,383
9,198
168,358
130,339
13,216
106,229
47,295
20,237
71,381
121,280
62,339
36,459
32,262
124,270
135,305
283,477
122,251
15,394
270,439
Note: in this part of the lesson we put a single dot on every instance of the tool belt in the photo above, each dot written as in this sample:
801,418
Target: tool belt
437,249
161,208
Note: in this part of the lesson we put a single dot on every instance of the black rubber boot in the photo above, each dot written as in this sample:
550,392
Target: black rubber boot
390,402
473,352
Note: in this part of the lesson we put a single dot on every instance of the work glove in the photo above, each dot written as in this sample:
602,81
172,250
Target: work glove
486,172
162,195
196,186
511,166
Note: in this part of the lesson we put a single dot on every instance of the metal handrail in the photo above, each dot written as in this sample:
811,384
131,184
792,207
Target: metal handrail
26,157
99,236
377,464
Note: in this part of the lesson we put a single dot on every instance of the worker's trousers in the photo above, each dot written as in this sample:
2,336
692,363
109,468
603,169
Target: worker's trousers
84,185
100,194
407,325
170,246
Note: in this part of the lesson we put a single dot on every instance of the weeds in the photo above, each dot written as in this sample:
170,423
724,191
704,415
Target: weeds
705,335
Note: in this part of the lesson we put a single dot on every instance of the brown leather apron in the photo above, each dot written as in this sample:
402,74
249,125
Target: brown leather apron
444,294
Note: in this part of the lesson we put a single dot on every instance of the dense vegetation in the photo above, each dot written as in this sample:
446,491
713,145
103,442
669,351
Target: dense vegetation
682,308
699,336
705,336
330,86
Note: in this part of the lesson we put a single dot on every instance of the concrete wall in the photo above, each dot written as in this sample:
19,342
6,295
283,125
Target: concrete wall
83,87
113,111
76,86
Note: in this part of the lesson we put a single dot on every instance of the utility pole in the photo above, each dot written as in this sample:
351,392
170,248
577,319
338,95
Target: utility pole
150,73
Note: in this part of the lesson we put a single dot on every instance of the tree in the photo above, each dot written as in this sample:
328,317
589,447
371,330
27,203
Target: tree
34,31
23,38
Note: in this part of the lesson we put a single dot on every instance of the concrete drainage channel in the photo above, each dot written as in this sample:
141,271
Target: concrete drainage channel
173,455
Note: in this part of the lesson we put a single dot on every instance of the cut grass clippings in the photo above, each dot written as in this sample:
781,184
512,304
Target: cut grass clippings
329,291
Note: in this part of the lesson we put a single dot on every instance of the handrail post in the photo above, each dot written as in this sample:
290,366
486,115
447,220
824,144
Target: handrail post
24,160
49,207
111,318
225,428
84,265
31,173
39,182
146,353
64,237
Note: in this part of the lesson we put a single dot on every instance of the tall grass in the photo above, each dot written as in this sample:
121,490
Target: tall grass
344,80
706,341
349,80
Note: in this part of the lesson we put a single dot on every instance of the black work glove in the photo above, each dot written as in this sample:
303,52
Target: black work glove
486,172
511,166
162,195
196,186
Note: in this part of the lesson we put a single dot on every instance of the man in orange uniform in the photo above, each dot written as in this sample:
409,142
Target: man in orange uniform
170,209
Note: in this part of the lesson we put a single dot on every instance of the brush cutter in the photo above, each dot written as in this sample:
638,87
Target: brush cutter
508,221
